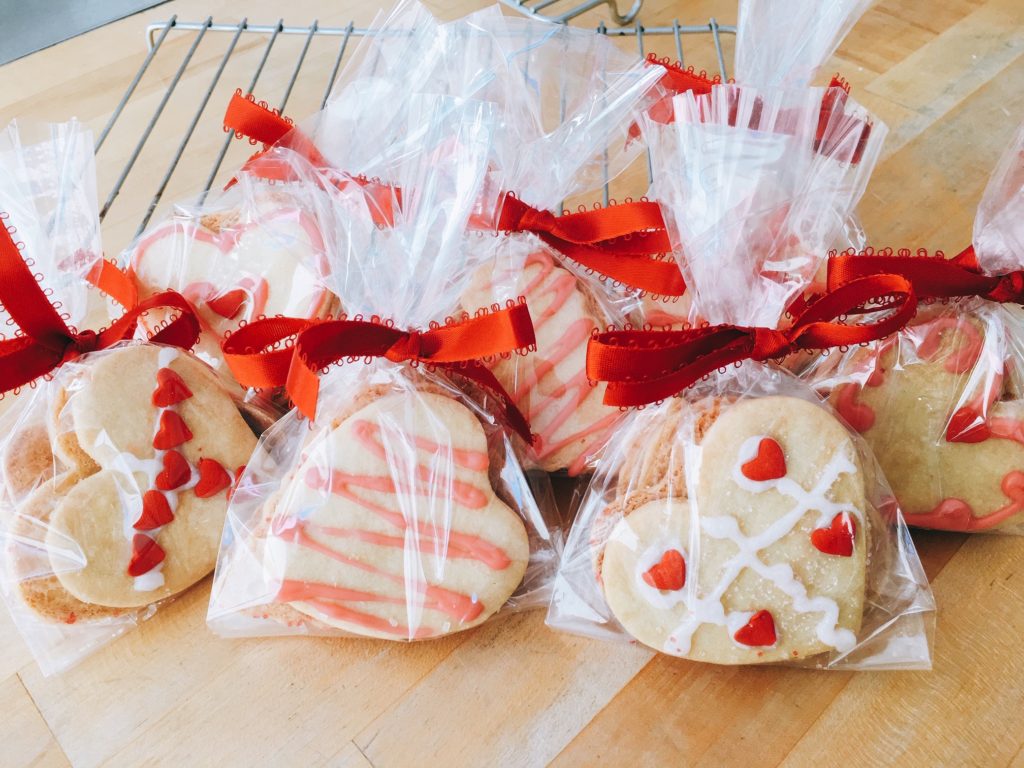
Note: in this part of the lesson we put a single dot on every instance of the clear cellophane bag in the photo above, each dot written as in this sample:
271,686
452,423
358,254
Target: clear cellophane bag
564,97
252,250
940,402
743,522
402,512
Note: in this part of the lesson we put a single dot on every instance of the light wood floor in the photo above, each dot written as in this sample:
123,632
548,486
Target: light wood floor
948,76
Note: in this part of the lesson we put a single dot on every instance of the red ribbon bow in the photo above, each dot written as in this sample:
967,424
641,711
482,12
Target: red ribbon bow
646,366
933,277
616,241
47,341
456,347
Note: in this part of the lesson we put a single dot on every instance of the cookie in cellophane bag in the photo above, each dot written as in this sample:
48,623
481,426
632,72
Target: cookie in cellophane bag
565,96
400,510
940,403
117,474
48,193
745,524
402,516
256,249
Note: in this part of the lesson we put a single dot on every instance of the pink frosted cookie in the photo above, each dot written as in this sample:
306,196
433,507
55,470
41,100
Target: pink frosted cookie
934,405
764,557
233,269
550,386
149,443
390,526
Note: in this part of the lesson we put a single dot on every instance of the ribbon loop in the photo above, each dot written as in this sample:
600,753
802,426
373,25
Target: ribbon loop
48,343
643,367
259,357
933,277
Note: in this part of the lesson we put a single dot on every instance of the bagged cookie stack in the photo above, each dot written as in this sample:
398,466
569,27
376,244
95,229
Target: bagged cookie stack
743,522
403,513
939,402
117,465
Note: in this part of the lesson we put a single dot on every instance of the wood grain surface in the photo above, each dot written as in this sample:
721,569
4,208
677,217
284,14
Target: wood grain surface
948,77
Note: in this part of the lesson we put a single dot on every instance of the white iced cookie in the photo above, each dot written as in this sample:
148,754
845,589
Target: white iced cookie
390,528
767,561
550,386
235,270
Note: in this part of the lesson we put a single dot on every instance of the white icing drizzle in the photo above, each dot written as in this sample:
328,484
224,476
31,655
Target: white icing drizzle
150,468
709,609
150,580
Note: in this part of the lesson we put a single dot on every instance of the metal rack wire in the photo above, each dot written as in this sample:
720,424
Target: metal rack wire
165,36
559,13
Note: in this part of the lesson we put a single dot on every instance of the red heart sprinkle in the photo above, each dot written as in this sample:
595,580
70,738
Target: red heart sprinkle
176,472
836,539
967,426
769,464
213,478
156,511
172,432
170,390
146,555
669,573
759,631
229,303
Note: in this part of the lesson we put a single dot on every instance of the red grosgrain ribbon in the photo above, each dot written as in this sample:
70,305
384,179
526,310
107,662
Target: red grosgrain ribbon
47,341
646,366
933,277
616,241
255,361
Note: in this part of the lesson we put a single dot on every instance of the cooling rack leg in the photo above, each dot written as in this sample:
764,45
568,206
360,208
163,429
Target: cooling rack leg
156,116
252,87
153,48
191,128
337,64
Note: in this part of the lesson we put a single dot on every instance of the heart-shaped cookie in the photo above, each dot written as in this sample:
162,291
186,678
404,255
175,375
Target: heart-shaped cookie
390,528
935,406
756,587
112,538
235,270
566,413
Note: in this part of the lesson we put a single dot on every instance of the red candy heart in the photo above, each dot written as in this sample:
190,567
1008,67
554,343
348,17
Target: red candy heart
759,631
769,464
669,573
836,539
967,426
176,472
213,478
156,511
146,555
172,432
229,303
170,390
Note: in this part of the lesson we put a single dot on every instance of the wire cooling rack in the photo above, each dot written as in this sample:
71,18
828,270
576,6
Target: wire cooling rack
190,69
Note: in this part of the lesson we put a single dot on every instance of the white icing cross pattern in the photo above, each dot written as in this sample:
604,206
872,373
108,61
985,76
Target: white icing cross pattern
709,609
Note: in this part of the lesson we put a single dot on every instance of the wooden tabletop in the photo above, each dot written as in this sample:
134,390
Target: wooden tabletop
948,77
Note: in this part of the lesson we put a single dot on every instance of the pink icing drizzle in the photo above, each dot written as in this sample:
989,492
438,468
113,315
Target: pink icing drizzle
546,414
329,598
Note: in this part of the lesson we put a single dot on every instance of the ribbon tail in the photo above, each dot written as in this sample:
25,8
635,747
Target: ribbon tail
654,276
507,410
251,362
22,362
